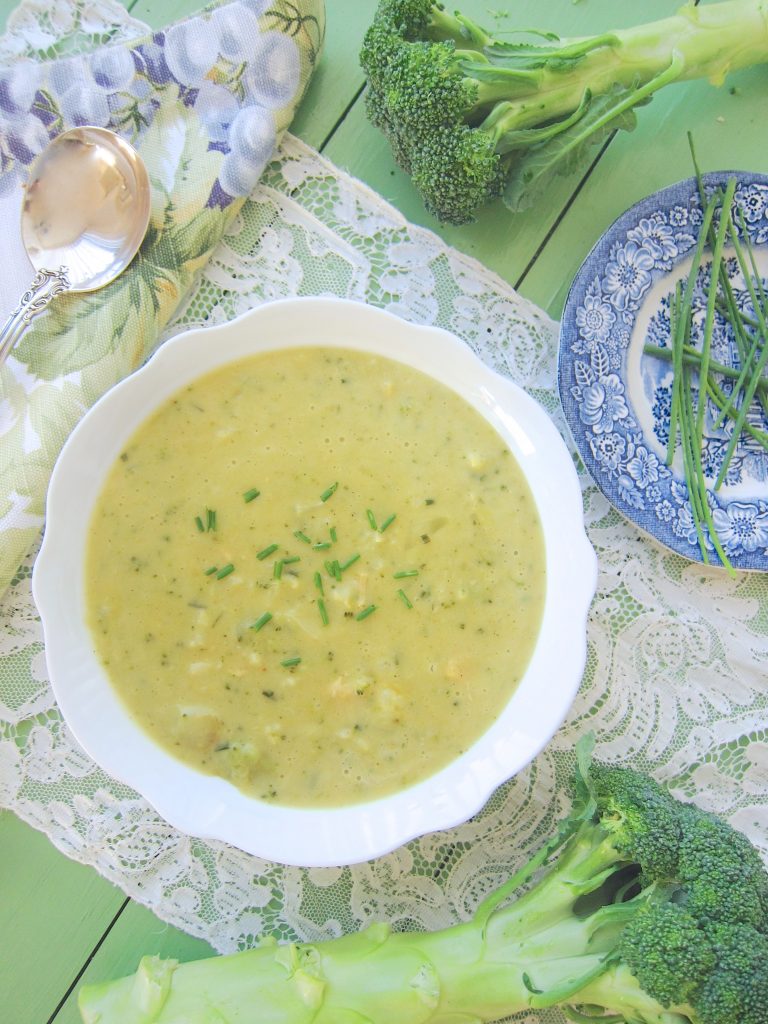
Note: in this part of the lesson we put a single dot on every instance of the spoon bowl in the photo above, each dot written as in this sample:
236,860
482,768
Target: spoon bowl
85,213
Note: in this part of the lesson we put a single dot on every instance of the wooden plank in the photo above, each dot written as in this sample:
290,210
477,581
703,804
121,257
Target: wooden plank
53,911
137,933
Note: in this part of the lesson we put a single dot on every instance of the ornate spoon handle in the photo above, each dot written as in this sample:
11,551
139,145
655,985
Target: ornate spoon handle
46,286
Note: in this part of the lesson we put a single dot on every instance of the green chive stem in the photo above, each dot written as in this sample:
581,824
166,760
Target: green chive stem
254,492
225,571
199,524
405,573
720,400
319,582
278,571
322,545
387,522
371,518
211,570
291,559
329,491
692,356
261,621
404,598
302,536
365,612
333,535
349,562
749,394
323,611
334,569
709,316
266,552
682,320
290,662
210,519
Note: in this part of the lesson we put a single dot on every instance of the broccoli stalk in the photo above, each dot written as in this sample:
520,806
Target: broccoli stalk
471,117
639,907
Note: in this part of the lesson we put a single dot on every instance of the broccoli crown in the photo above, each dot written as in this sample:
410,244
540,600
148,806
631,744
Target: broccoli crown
698,943
382,49
420,98
456,169
736,991
410,19
425,87
642,818
668,952
721,872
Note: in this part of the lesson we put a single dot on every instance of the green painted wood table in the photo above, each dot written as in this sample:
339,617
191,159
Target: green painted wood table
60,922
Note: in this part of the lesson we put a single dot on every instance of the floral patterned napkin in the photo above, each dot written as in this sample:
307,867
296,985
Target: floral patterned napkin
205,101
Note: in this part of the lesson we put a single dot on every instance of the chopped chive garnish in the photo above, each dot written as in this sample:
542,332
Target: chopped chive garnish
211,570
387,522
329,491
250,495
278,569
333,535
322,545
210,519
365,612
322,609
302,536
261,621
225,571
404,598
349,561
429,501
371,519
291,559
290,662
405,573
199,524
334,569
266,552
319,582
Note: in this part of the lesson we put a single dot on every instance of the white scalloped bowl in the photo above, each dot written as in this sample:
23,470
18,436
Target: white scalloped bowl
211,807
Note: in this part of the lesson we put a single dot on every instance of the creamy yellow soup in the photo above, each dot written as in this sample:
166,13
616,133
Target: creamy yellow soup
317,573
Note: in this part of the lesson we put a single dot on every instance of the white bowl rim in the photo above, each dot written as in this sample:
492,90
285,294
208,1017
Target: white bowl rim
207,806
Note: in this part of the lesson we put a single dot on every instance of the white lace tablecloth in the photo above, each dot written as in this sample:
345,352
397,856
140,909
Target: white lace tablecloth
676,675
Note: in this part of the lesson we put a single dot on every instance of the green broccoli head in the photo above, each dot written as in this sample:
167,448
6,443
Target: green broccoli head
426,89
736,991
720,871
380,117
382,49
410,19
642,818
456,169
667,951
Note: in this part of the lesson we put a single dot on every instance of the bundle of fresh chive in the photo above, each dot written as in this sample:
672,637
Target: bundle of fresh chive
698,380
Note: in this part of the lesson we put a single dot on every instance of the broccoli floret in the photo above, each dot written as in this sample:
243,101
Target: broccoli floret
537,106
668,952
456,170
633,909
641,815
425,19
736,992
721,871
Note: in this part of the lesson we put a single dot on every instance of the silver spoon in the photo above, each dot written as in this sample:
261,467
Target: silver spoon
85,213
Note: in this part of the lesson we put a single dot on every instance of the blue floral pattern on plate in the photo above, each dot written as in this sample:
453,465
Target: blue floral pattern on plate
616,398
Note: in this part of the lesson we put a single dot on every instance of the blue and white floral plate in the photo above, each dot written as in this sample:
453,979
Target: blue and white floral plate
616,398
